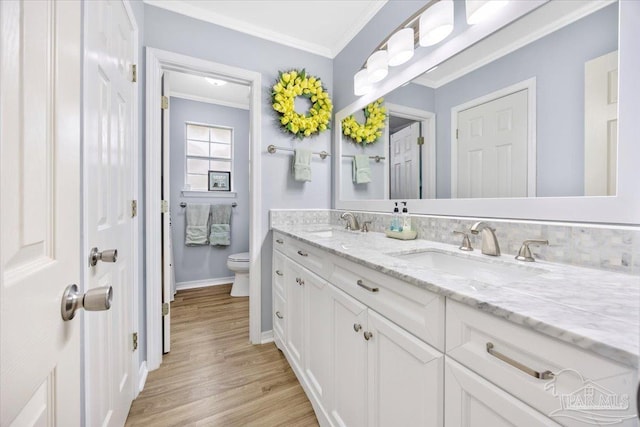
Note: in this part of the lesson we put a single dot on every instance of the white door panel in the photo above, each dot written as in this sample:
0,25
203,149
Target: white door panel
40,47
109,143
492,149
601,125
405,163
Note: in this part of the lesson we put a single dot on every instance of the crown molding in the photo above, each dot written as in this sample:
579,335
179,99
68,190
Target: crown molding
206,100
356,28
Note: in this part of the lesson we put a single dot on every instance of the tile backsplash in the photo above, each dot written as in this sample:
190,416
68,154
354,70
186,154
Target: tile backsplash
607,247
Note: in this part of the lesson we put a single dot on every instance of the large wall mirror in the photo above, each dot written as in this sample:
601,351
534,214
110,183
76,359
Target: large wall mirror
523,123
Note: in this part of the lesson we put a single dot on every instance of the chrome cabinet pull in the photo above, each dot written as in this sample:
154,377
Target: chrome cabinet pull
279,316
546,375
302,253
368,335
279,241
357,327
279,273
369,288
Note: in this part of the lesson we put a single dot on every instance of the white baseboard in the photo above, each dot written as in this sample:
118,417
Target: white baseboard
266,337
203,283
142,375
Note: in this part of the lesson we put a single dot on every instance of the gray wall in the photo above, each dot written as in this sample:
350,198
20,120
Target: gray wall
208,262
173,32
557,63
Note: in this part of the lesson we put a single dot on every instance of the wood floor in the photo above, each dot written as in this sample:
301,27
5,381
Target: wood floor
213,376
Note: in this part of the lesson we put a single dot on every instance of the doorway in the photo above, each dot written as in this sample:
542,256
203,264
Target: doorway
160,62
411,152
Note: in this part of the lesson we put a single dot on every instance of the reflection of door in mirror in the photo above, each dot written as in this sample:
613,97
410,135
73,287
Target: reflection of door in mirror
601,125
404,161
490,148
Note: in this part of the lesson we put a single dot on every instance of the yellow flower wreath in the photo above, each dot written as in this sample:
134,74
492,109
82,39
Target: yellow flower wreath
297,83
371,130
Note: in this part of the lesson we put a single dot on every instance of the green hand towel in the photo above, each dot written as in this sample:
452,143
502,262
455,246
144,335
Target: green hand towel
302,165
361,171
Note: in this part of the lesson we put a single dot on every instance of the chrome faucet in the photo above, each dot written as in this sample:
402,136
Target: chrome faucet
489,240
352,222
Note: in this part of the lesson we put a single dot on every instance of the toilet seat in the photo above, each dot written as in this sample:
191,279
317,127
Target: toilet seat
240,257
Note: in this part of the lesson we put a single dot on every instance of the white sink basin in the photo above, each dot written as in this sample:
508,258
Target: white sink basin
475,269
322,233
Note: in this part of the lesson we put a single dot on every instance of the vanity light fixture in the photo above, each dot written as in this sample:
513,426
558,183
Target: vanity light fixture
436,23
361,83
215,82
400,47
378,66
479,10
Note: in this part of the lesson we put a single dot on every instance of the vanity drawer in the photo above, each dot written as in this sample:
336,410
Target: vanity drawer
308,256
511,356
278,272
279,242
417,310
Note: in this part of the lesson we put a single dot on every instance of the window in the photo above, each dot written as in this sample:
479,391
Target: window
209,147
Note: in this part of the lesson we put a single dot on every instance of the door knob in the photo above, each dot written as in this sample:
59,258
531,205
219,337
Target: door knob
96,299
109,255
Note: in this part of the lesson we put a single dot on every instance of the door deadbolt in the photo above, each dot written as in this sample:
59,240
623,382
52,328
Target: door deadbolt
109,255
96,299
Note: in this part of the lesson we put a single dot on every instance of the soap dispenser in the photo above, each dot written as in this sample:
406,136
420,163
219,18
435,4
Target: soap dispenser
406,219
395,219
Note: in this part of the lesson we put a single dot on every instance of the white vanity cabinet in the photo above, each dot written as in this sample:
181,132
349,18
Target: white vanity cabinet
358,367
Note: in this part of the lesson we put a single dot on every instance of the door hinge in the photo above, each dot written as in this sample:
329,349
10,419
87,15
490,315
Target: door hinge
134,73
134,341
164,206
164,103
421,140
134,208
165,308
457,133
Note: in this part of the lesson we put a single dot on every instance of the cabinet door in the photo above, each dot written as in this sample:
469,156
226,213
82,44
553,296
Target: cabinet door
405,377
348,398
317,334
471,401
294,329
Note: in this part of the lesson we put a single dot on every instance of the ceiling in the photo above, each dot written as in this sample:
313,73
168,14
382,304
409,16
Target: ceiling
196,88
323,27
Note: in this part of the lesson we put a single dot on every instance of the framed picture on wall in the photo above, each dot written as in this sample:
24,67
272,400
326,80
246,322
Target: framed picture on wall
219,181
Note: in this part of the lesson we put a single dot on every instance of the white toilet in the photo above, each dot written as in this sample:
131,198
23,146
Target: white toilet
239,264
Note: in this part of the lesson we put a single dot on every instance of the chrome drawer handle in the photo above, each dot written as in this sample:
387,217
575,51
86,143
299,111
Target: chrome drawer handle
368,335
546,375
302,253
369,288
357,327
279,273
279,316
279,241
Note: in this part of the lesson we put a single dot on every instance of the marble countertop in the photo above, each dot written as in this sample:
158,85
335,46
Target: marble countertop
593,309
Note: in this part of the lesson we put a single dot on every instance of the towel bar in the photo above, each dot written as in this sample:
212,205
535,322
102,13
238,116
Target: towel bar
184,205
272,149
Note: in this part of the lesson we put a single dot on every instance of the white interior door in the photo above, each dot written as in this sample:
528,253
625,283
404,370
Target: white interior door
492,147
601,125
405,163
109,143
167,258
40,47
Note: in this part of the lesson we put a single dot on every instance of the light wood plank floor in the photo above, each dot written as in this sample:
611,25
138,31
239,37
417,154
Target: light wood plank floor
213,376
